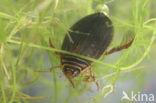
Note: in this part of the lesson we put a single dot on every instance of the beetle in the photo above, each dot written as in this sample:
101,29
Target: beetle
91,37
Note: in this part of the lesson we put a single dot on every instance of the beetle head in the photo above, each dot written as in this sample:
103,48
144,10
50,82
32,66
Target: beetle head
70,74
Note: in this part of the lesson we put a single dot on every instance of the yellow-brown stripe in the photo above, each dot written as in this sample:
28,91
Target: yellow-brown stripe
74,63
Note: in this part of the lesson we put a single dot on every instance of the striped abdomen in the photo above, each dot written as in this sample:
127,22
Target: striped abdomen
73,66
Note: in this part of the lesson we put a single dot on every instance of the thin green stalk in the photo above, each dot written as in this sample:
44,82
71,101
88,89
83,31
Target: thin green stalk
55,87
2,85
91,59
55,81
6,16
150,20
14,84
2,75
61,51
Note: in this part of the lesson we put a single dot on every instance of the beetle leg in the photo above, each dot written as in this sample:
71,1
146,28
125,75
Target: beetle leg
125,46
93,78
52,46
92,75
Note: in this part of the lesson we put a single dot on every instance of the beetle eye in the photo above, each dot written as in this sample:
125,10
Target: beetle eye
76,73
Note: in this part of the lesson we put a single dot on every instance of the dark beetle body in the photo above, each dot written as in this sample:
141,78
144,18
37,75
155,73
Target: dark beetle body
91,36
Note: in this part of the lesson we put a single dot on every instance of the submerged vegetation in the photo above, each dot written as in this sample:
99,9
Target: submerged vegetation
25,28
